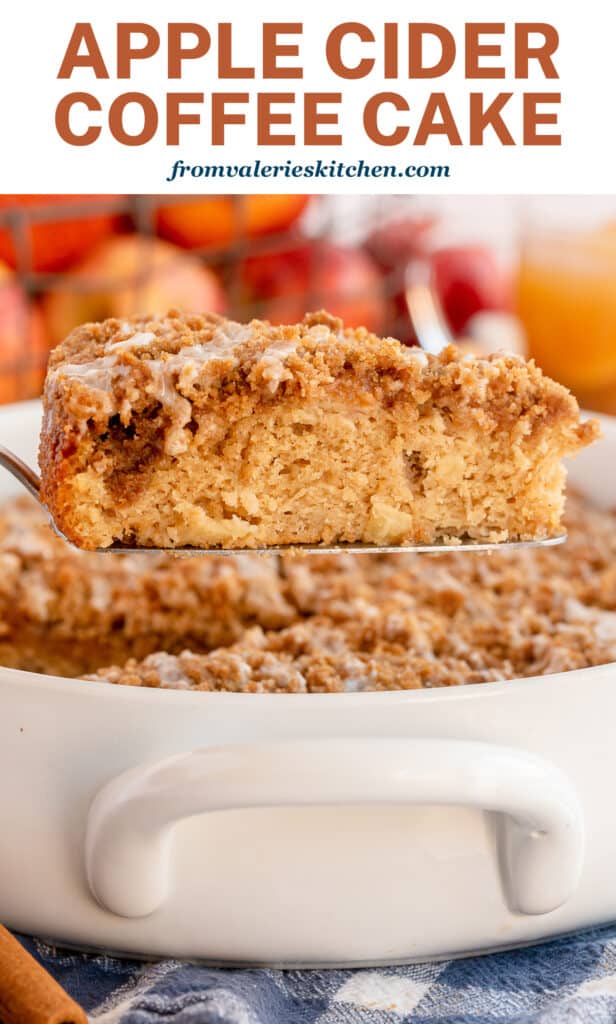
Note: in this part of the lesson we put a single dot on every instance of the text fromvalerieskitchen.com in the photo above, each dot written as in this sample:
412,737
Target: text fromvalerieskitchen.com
444,97
317,169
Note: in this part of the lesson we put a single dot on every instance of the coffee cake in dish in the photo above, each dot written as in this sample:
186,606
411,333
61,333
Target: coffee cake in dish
411,621
198,431
67,612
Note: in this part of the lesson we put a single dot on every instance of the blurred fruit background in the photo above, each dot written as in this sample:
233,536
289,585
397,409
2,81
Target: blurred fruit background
496,272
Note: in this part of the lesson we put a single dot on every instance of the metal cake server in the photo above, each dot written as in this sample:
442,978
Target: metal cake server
433,335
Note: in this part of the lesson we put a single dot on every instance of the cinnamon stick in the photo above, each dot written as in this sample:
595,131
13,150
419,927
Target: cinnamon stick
28,994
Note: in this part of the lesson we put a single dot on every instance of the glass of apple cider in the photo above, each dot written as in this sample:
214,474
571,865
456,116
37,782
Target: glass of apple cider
566,298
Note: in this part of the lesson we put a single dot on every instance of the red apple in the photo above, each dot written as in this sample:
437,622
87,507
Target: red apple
127,275
469,279
23,342
394,244
283,286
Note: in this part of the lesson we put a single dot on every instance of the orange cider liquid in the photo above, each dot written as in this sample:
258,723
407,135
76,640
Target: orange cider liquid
567,304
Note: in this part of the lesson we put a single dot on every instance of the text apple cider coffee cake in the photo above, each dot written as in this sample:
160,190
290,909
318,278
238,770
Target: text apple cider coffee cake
198,431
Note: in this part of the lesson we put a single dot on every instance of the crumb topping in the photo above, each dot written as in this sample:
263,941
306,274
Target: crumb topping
52,594
117,366
324,623
414,621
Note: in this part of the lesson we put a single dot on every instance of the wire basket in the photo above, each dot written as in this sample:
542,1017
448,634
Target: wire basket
278,274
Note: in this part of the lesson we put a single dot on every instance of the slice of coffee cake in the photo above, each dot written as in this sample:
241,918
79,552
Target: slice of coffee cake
196,430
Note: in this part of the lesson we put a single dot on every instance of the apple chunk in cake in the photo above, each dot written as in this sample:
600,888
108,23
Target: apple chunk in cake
196,430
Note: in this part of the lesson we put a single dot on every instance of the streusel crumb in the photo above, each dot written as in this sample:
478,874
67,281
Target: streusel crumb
413,621
68,612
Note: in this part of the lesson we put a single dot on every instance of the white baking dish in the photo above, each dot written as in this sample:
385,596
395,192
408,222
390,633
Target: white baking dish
308,829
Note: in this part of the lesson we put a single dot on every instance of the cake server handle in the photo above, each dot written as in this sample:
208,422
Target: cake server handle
540,829
425,310
22,472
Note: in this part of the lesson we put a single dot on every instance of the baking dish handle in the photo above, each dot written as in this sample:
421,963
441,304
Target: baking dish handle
540,831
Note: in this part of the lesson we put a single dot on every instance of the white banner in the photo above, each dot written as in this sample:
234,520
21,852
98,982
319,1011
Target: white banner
433,97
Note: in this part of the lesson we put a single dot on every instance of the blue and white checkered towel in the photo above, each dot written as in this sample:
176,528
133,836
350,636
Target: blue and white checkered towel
568,981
